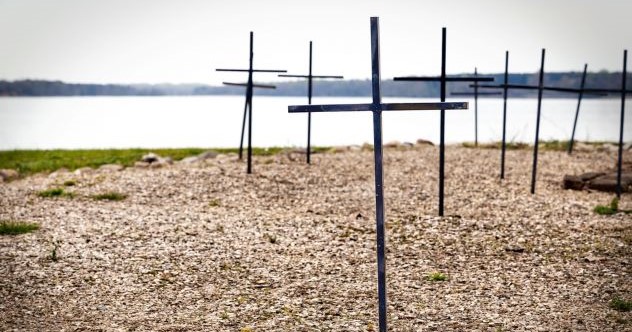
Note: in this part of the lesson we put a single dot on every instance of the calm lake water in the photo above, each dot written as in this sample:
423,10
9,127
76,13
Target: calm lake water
215,121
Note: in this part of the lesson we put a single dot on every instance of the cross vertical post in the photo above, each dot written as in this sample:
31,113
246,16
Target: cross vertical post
443,79
310,85
377,107
379,172
534,169
623,92
309,102
579,102
505,91
442,133
248,104
249,96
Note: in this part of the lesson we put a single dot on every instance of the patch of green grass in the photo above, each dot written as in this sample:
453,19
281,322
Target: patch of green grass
496,145
110,196
33,161
437,276
16,227
609,209
620,304
55,192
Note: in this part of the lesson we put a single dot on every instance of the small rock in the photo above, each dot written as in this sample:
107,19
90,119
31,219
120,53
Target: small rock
207,155
393,144
58,172
352,148
150,157
408,144
422,141
141,164
190,160
83,170
111,167
514,248
8,174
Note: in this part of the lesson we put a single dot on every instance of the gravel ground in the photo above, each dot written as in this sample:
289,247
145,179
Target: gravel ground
205,247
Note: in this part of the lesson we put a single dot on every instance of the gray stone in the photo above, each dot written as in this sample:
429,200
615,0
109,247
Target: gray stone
190,160
111,167
83,170
422,141
207,155
8,174
150,157
141,164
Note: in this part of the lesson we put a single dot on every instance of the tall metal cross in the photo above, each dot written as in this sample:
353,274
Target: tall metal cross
540,87
476,93
443,79
377,107
623,91
248,104
309,78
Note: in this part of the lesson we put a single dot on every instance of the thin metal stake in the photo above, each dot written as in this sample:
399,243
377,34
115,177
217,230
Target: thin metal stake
442,133
249,93
537,125
505,91
579,102
309,102
623,92
475,109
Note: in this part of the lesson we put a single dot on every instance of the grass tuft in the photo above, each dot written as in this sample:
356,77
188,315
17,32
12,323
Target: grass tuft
16,227
55,192
620,304
110,196
437,276
608,209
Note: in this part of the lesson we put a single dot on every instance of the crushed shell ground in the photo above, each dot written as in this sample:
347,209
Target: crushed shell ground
206,247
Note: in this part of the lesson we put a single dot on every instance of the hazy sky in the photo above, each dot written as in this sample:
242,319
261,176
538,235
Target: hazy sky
154,41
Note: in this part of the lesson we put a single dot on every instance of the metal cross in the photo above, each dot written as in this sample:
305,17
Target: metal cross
476,93
377,107
443,79
248,105
623,91
309,78
540,87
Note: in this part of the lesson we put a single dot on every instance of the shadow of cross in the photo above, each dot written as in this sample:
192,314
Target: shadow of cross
309,78
443,79
248,104
377,107
475,93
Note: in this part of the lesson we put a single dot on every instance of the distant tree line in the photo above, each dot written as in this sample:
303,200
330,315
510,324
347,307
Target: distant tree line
358,88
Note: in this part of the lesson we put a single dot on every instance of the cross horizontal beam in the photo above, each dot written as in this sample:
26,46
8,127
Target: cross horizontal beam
447,79
509,86
254,70
254,85
475,93
597,92
378,107
312,76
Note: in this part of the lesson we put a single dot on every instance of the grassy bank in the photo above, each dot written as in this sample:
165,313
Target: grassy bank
34,161
553,145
